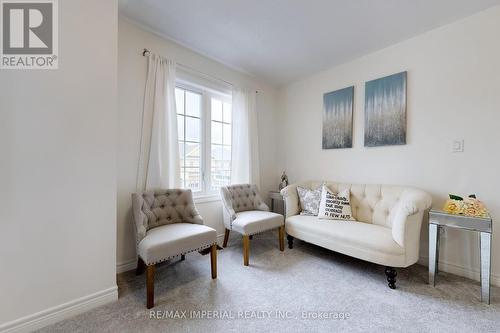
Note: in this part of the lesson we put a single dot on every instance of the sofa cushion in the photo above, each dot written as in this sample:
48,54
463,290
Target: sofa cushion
345,234
335,206
309,200
167,241
255,221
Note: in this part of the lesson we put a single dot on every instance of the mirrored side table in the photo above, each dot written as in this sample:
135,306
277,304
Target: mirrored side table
440,219
275,198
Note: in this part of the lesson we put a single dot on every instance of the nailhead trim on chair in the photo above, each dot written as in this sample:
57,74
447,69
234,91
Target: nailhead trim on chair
182,253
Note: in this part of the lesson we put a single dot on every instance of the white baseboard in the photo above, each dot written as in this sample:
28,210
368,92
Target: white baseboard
126,266
459,270
220,239
131,264
60,312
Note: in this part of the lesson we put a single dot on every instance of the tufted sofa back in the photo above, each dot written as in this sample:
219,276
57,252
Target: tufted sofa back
242,197
369,203
160,207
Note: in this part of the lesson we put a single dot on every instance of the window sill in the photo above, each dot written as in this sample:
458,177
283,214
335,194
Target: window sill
203,198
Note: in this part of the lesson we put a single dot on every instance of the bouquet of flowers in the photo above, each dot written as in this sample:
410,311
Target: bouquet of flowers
469,206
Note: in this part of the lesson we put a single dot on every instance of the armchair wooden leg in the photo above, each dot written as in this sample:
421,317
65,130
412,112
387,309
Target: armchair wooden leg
150,286
246,249
140,266
290,241
213,260
226,237
282,237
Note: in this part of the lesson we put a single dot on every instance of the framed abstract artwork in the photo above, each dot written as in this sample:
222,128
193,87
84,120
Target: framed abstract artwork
385,111
337,118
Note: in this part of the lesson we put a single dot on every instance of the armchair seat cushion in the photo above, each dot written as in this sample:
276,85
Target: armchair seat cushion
255,221
167,241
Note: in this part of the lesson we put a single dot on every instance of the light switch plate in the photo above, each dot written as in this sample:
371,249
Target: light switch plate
458,146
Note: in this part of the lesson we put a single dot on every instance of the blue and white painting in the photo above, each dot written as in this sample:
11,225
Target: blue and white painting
385,111
337,118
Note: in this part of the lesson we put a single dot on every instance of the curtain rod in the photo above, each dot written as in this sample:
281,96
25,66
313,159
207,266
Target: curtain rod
147,52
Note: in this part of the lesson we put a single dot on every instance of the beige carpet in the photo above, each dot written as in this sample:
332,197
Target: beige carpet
335,292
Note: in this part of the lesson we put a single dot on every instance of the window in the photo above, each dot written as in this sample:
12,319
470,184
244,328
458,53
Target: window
204,126
188,104
220,143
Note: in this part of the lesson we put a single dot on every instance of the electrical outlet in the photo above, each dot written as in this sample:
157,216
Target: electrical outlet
458,146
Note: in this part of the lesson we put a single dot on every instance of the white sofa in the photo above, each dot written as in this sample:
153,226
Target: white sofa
388,228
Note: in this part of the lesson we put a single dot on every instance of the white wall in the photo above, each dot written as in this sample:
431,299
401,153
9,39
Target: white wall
58,172
132,68
453,83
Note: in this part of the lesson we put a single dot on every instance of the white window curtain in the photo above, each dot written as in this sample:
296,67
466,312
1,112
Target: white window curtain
159,165
245,141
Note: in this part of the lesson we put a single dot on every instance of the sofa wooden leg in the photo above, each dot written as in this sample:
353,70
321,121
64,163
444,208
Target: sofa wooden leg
246,249
183,257
213,261
290,241
150,286
281,235
140,266
226,237
391,274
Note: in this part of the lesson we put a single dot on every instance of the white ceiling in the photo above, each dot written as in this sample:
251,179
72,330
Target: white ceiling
284,40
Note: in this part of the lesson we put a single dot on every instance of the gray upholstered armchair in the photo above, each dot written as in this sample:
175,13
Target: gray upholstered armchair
168,225
246,213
